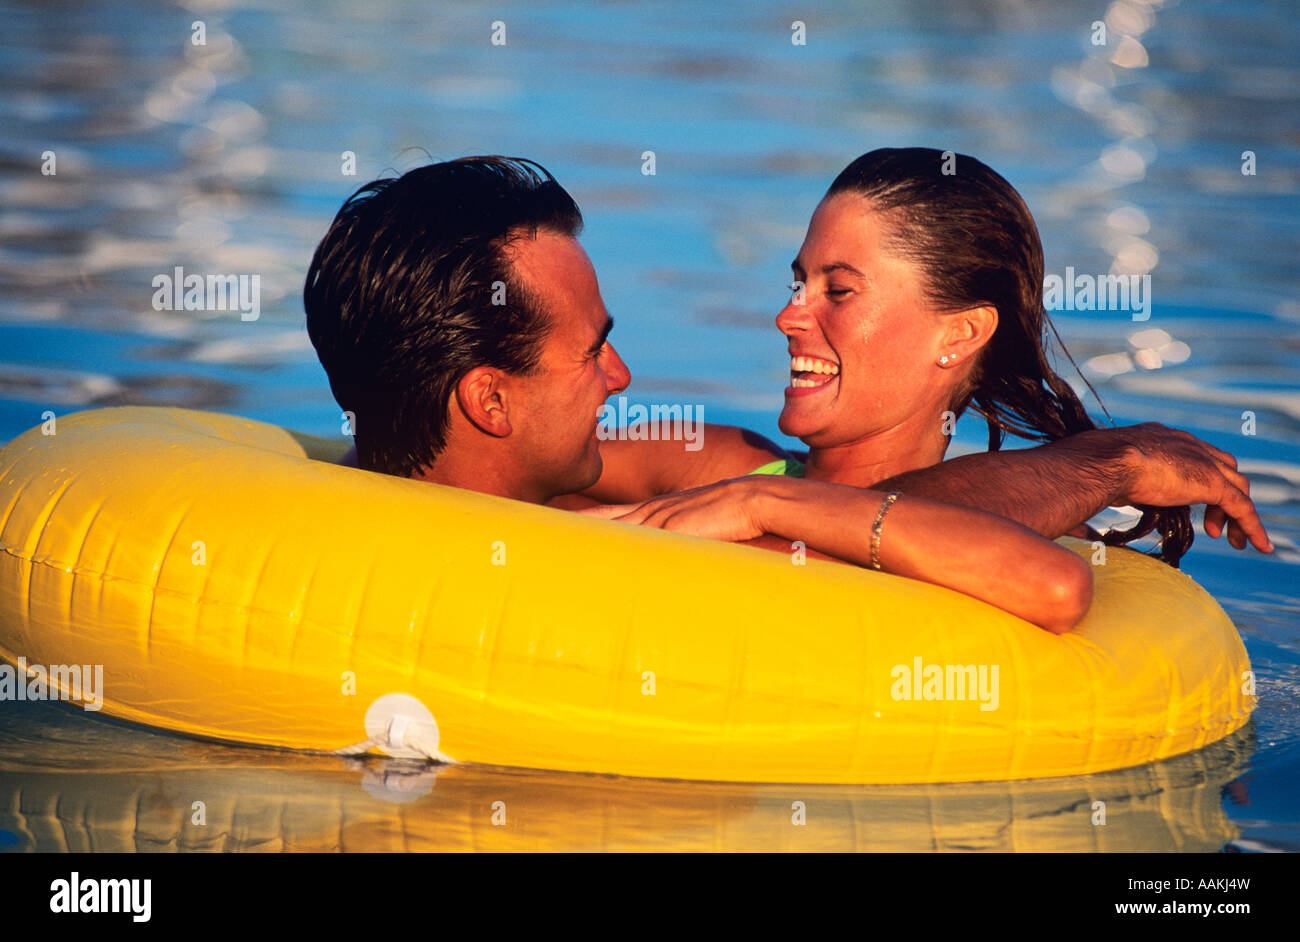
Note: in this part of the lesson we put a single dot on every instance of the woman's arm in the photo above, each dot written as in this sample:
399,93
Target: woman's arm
970,551
977,553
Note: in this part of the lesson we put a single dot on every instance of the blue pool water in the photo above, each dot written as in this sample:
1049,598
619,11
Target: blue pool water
226,157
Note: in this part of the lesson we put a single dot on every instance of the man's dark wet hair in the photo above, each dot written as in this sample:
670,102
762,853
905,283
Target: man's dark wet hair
399,296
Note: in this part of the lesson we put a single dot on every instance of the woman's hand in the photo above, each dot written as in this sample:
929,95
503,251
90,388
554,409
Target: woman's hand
727,510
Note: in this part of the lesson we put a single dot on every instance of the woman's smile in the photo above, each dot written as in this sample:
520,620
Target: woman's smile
809,374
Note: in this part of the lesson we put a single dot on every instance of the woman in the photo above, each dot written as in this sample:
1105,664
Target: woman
918,294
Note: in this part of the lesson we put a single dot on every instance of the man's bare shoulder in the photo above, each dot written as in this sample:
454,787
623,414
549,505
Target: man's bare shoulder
730,451
678,458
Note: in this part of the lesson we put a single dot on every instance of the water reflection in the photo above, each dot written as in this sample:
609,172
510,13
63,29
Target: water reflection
55,387
141,791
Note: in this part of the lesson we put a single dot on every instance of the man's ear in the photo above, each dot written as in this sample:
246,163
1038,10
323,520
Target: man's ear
482,398
969,331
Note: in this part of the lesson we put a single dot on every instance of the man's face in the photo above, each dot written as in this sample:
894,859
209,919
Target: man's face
554,411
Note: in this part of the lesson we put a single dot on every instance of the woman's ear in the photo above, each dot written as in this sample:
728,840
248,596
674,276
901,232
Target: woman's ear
968,331
483,400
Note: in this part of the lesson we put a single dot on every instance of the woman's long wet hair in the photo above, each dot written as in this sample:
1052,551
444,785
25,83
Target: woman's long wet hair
973,236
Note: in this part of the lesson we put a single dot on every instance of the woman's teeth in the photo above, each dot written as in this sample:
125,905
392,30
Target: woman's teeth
812,365
815,371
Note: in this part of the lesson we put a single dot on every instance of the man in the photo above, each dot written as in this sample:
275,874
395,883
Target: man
461,323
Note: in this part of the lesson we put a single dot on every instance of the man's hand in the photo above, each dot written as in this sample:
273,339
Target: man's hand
1167,467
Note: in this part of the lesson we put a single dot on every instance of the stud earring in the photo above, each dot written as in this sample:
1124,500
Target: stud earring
943,360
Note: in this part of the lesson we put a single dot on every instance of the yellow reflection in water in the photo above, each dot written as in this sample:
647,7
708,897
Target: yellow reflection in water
251,800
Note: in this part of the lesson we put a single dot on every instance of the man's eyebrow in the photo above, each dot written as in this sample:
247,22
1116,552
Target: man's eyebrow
827,269
604,335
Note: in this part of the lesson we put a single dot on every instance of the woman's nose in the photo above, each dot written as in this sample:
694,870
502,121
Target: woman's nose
794,316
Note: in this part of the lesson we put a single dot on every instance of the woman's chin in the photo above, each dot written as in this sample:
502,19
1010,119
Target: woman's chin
797,422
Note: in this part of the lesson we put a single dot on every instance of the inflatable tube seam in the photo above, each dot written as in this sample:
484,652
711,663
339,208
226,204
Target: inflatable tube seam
47,514
157,577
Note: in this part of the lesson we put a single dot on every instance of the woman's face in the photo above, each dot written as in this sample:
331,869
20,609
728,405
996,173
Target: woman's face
864,344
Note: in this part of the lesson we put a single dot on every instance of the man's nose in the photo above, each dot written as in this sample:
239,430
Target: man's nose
617,375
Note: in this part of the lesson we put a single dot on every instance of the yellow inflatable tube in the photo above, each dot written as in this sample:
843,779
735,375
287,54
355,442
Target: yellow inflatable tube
232,587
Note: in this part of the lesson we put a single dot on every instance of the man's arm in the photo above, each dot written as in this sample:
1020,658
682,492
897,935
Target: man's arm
1054,488
636,470
1051,489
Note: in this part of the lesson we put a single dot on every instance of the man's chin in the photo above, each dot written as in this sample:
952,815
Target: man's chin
592,466
596,467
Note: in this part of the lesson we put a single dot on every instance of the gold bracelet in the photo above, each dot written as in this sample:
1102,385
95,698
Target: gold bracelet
876,527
